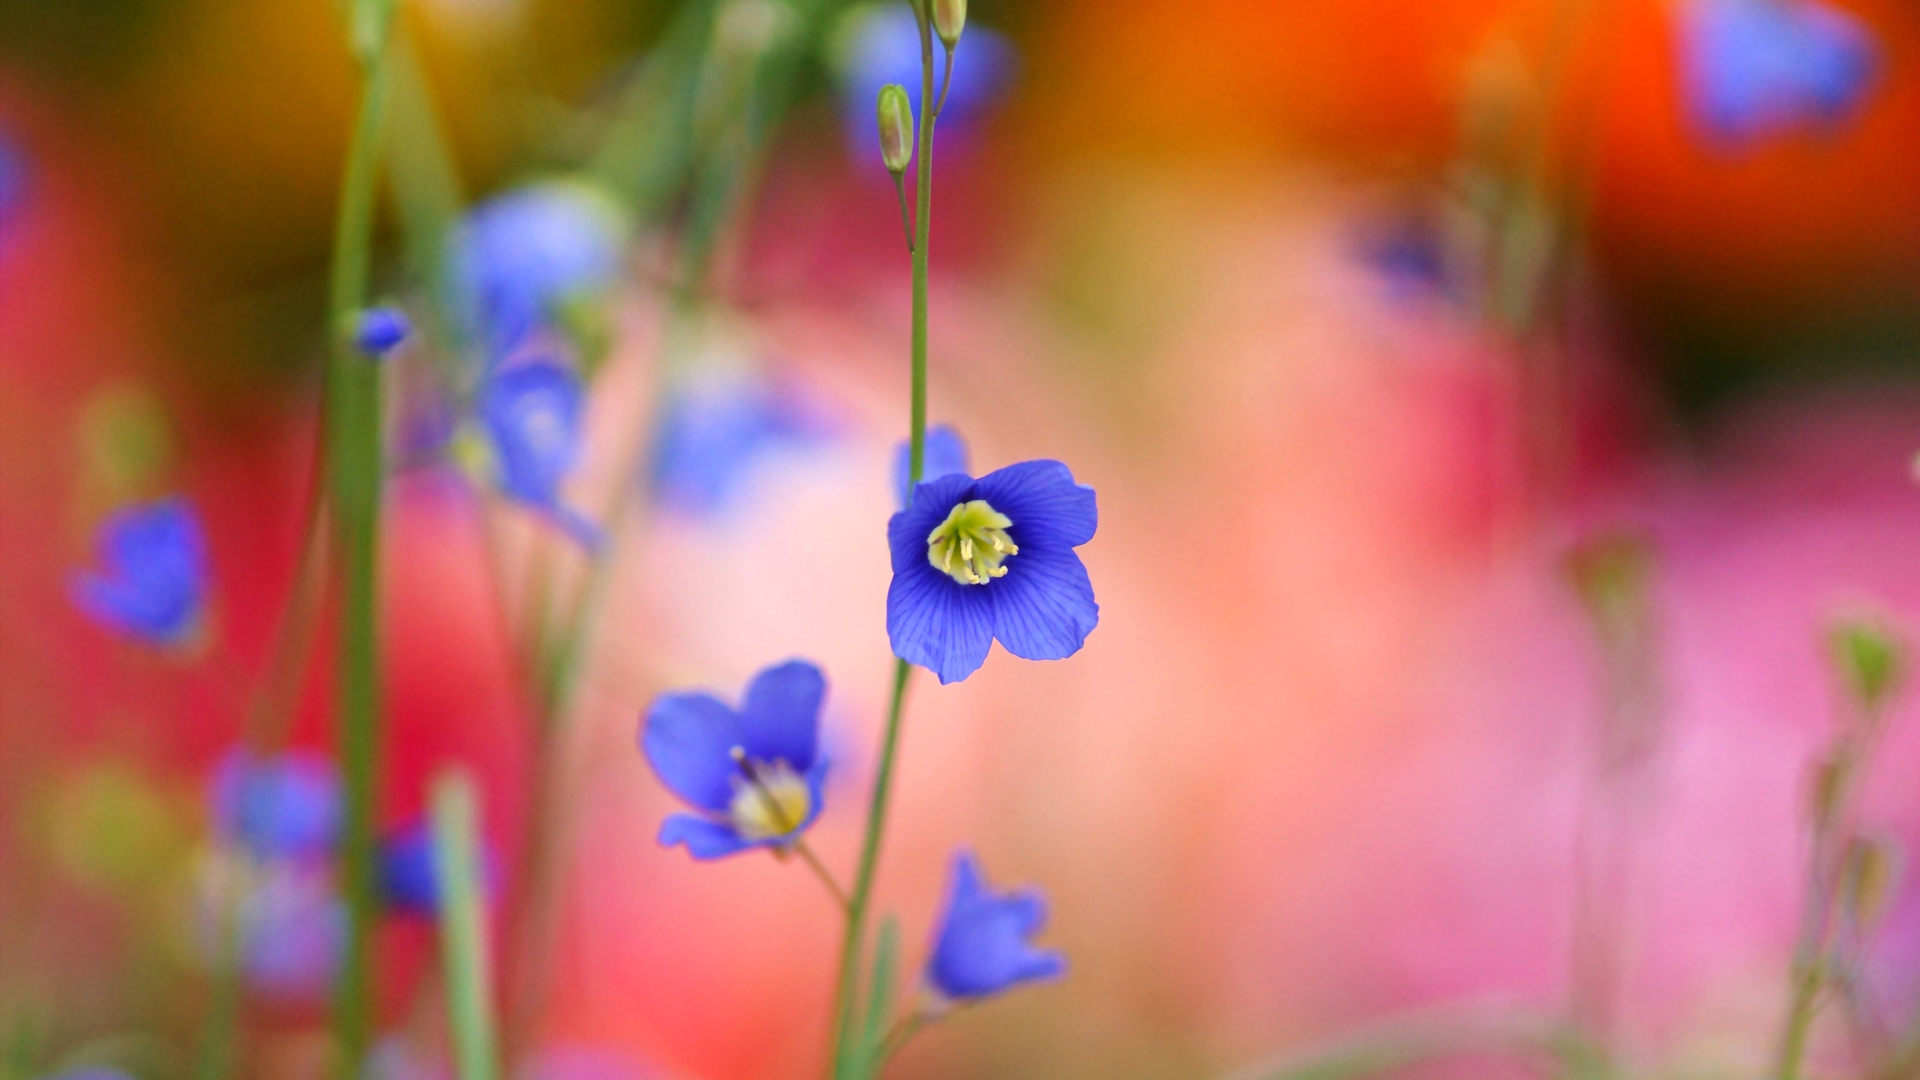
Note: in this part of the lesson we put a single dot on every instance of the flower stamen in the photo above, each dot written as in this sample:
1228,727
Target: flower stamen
976,534
769,798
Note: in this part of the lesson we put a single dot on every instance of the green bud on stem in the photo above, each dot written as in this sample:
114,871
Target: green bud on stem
949,19
896,128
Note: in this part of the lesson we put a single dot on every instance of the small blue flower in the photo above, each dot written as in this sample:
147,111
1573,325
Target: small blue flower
881,45
532,413
379,330
287,806
981,947
523,255
975,560
293,926
945,454
754,774
1753,68
717,427
407,879
153,580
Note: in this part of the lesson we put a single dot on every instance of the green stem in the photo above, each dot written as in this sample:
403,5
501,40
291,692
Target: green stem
354,458
463,944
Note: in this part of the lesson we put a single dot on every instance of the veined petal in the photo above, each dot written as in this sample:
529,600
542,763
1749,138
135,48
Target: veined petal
780,716
688,738
936,622
1048,509
946,455
1044,608
704,838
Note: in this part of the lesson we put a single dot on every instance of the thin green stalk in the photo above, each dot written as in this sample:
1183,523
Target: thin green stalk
354,472
463,941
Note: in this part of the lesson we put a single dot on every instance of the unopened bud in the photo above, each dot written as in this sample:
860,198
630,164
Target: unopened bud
1870,660
896,128
949,18
1867,878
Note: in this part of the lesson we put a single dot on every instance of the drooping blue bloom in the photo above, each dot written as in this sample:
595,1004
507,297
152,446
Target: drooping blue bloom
981,945
379,330
286,806
532,413
753,774
525,254
1753,68
881,45
945,453
716,429
975,560
293,926
152,583
407,878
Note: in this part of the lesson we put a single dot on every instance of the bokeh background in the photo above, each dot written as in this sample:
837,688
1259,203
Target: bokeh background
1327,754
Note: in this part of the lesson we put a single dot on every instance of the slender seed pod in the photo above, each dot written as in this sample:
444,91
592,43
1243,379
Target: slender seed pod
896,128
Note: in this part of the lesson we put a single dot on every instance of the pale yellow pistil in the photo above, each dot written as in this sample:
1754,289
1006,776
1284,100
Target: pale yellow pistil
971,544
769,798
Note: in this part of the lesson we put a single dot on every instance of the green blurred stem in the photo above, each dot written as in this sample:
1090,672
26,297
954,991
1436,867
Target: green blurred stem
463,942
853,945
354,470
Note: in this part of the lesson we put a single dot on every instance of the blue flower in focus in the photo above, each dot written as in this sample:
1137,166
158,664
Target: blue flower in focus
975,560
293,926
716,428
881,44
1753,68
532,415
287,806
153,578
981,947
523,255
754,774
945,453
407,878
379,330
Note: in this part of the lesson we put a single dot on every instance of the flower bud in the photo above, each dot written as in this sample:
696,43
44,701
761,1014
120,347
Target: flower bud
896,128
949,18
1867,878
1870,659
377,331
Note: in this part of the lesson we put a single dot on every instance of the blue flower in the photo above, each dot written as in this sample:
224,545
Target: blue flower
532,415
881,45
293,926
379,330
754,774
981,947
153,581
975,560
522,256
716,428
407,878
945,454
287,806
1758,67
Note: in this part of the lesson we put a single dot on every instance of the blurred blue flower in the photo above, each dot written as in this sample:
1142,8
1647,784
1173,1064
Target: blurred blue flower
525,254
292,929
532,414
1753,68
379,330
153,578
754,774
880,44
286,806
715,429
945,454
975,560
981,946
407,880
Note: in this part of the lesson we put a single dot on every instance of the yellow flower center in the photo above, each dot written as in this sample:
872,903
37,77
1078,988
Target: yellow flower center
769,798
970,545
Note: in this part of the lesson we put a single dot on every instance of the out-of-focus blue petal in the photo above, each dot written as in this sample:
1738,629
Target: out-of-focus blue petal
703,837
532,414
981,945
938,623
379,330
293,927
153,578
688,738
880,44
717,427
932,500
1047,507
1044,608
523,254
13,186
1753,68
780,716
945,455
287,806
408,881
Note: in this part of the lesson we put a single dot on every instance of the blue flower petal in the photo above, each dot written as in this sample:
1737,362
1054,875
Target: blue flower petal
523,254
687,738
1753,68
981,946
945,454
1047,507
1043,609
153,580
932,501
937,623
703,837
381,329
780,717
287,806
